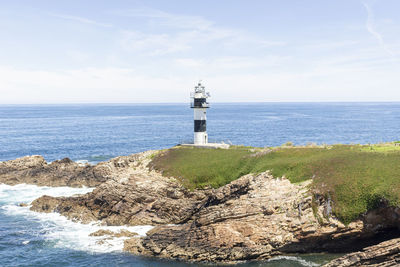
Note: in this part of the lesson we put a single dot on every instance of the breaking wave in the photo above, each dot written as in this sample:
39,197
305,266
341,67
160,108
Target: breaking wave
295,259
57,230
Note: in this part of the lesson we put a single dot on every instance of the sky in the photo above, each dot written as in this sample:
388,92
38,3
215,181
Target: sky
100,51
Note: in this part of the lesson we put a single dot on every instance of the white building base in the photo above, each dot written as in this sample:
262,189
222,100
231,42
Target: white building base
209,145
200,138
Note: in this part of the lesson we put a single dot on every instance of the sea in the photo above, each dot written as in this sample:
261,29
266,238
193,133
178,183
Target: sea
91,133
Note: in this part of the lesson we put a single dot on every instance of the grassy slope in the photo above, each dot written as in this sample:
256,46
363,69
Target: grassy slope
356,177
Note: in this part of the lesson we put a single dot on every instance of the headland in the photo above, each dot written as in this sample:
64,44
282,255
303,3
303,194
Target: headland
237,204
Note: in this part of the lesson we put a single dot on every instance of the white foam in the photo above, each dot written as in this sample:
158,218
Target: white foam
57,229
83,162
296,259
27,193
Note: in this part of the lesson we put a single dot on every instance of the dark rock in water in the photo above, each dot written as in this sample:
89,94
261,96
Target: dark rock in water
384,254
46,204
23,205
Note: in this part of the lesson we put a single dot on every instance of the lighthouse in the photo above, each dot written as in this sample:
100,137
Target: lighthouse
200,105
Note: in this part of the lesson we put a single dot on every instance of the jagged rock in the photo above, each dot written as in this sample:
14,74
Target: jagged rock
133,196
35,170
254,217
384,254
121,233
46,204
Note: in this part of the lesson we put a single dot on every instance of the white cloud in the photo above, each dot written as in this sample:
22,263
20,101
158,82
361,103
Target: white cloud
81,20
126,85
371,28
226,63
91,85
153,44
332,45
167,19
183,32
164,54
77,55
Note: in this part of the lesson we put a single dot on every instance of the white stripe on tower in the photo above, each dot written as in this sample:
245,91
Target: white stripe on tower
200,114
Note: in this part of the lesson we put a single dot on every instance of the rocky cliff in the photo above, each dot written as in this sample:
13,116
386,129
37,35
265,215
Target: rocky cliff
252,218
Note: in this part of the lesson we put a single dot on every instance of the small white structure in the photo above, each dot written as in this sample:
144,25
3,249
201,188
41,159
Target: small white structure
200,105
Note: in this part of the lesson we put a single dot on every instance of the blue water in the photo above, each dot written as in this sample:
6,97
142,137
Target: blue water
99,132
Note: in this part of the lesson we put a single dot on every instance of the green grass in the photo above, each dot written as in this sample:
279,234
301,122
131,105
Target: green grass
385,148
356,177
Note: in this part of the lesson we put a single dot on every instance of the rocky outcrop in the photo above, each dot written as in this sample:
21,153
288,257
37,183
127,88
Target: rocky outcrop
132,196
384,254
254,217
65,172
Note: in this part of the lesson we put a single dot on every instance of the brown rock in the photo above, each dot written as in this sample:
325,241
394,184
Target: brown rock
35,170
121,233
132,196
384,254
46,204
239,222
253,217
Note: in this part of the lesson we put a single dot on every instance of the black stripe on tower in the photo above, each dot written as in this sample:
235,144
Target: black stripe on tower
198,102
199,126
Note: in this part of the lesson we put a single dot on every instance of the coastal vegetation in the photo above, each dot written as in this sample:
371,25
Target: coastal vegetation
356,178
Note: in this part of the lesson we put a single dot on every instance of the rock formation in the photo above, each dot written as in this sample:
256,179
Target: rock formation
133,196
65,172
254,217
384,254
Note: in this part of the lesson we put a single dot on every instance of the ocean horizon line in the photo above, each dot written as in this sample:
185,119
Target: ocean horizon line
185,103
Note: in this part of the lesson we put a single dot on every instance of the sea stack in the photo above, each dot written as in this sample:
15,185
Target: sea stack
200,105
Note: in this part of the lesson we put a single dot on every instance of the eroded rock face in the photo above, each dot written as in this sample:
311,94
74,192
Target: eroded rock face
131,196
254,217
65,172
384,254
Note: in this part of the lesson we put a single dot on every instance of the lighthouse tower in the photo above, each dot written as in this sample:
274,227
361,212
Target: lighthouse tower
200,106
